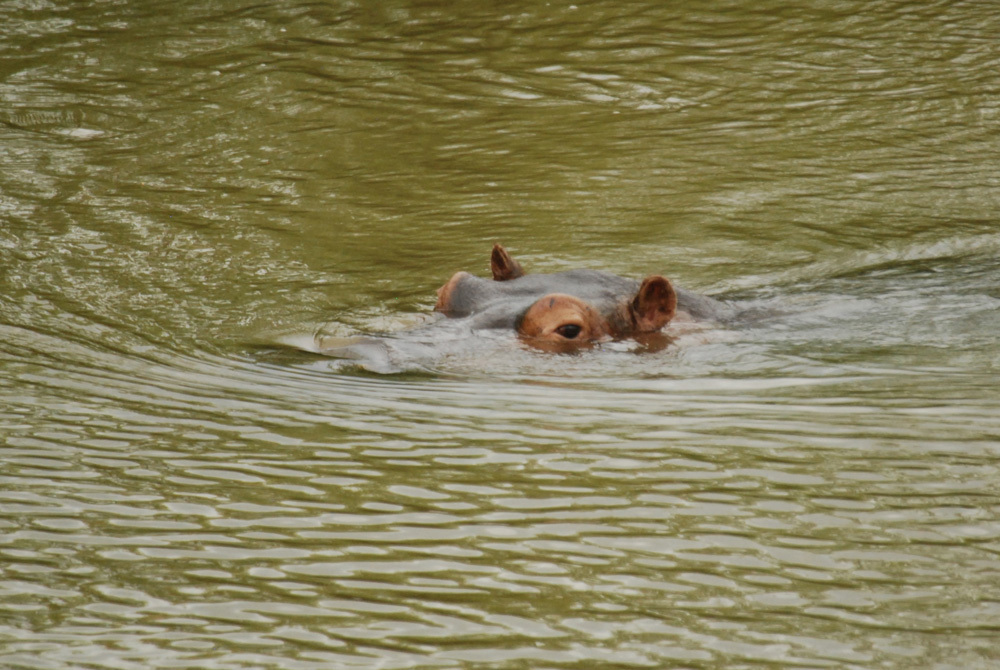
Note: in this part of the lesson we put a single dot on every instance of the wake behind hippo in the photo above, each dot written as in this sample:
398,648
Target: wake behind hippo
570,309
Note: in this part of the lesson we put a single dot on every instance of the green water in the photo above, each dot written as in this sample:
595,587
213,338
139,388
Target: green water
186,186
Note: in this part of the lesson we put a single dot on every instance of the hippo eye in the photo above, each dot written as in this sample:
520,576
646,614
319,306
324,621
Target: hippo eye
569,330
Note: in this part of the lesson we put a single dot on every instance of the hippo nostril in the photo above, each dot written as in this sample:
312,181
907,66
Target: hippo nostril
569,330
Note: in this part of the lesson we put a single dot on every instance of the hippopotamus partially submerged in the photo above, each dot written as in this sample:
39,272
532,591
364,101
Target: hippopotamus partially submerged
560,312
570,309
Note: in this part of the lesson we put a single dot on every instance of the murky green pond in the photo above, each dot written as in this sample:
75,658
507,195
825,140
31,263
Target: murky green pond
186,186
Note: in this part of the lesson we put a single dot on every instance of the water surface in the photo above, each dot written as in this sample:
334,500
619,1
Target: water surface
185,187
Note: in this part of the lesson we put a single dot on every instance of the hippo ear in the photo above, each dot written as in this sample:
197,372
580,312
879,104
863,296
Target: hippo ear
503,266
654,305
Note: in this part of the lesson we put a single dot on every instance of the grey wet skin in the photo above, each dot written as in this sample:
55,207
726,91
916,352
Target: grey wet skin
500,304
558,312
506,300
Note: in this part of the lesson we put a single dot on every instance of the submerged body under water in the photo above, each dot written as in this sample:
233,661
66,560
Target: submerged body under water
565,312
902,299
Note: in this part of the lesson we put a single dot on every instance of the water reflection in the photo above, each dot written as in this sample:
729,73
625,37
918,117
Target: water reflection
815,488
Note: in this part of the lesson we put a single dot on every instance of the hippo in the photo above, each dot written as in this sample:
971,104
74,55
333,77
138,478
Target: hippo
563,312
572,309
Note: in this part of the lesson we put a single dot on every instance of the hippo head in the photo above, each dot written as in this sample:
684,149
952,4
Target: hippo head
560,311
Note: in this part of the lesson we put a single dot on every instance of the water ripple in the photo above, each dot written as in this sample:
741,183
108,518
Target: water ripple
817,487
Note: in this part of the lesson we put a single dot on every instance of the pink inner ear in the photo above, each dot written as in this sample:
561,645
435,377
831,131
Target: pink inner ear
654,305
